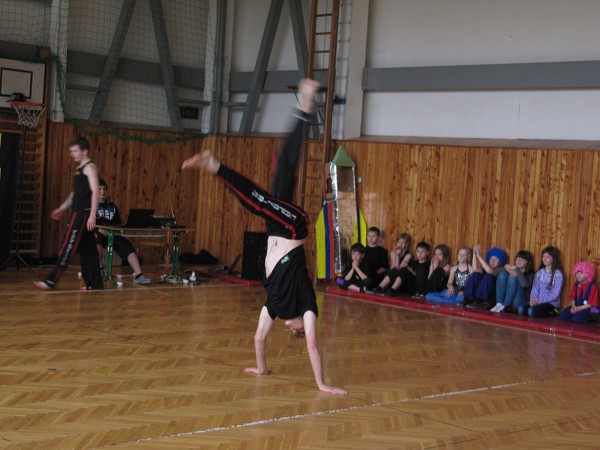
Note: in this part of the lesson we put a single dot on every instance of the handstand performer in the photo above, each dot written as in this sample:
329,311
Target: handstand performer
290,293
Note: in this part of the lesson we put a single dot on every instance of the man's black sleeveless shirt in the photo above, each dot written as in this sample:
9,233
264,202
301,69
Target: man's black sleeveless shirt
82,194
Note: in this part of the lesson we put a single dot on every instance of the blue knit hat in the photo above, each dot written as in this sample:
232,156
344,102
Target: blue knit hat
498,253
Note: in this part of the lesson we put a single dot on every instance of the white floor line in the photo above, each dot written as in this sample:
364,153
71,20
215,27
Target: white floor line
334,411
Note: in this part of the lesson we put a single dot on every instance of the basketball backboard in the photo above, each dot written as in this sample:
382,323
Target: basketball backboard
21,77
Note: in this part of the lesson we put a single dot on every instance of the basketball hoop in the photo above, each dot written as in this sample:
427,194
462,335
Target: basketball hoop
28,112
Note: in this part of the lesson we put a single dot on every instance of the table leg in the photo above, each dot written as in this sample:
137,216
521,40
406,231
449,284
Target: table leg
109,255
175,256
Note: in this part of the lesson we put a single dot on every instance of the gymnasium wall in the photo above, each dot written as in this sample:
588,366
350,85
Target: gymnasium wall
408,33
430,33
139,175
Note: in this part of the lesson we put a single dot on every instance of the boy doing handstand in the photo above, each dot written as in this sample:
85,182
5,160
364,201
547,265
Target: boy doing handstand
290,293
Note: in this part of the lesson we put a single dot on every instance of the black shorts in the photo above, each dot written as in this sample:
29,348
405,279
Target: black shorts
290,292
121,246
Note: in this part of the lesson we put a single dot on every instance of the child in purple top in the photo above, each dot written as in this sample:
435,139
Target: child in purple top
547,284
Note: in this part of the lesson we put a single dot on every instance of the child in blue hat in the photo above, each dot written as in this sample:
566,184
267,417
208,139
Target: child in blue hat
480,291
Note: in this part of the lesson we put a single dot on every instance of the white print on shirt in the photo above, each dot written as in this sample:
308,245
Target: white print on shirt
106,213
276,207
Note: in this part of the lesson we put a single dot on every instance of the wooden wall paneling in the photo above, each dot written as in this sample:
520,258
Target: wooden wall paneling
139,175
593,209
478,232
220,211
449,208
209,206
495,188
513,198
470,197
557,205
476,166
435,188
427,198
584,205
512,193
411,192
510,198
529,188
535,189
390,201
574,181
494,156
501,215
488,181
547,217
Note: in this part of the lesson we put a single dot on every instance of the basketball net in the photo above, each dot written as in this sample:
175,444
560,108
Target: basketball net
28,113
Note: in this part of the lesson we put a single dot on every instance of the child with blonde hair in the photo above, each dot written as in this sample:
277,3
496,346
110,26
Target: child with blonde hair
457,280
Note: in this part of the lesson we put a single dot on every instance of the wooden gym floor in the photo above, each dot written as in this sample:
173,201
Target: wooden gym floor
161,367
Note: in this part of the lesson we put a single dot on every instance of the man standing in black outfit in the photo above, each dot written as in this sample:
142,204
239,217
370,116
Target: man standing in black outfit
83,202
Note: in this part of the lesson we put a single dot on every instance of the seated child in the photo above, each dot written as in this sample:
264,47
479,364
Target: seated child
415,282
459,274
356,279
480,291
584,294
400,257
547,284
439,270
376,256
513,285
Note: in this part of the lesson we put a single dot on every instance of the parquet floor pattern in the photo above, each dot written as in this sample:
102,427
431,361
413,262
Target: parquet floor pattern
161,367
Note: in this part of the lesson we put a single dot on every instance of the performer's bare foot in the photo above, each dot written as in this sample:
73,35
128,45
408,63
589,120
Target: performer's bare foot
332,390
205,161
307,88
256,371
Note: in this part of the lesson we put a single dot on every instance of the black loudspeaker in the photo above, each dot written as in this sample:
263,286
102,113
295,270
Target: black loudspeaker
253,258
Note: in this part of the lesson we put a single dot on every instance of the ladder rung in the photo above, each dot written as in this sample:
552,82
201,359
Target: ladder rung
320,70
325,15
322,33
321,51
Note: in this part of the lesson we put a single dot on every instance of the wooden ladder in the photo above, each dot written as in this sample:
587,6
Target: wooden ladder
324,18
